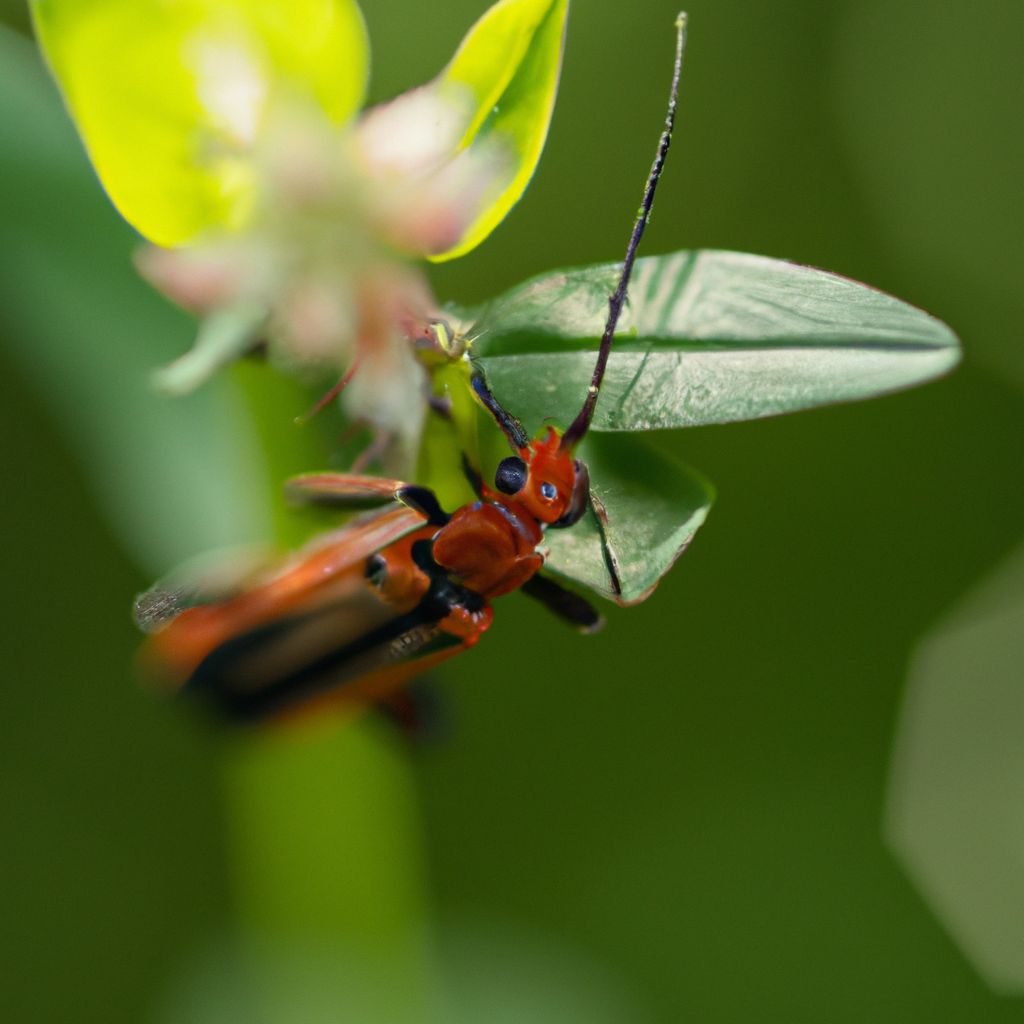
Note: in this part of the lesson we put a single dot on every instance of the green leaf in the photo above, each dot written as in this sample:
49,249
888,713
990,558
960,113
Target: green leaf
706,337
645,510
509,63
174,477
170,97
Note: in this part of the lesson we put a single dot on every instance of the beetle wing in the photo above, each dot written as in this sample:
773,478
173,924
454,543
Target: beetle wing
211,577
352,652
323,573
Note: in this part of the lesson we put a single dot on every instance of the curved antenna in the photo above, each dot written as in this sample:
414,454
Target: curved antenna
580,425
510,426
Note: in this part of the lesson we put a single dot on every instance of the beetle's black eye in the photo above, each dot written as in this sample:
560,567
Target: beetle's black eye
548,491
511,475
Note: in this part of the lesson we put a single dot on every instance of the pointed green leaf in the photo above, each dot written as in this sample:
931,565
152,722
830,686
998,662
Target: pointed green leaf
645,510
509,65
706,337
170,97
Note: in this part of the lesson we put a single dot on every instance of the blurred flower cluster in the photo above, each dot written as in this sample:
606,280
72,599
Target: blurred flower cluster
229,134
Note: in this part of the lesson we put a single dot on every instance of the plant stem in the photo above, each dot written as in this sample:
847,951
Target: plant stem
323,836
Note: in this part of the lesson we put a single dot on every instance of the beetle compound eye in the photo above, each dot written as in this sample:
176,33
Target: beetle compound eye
510,475
548,491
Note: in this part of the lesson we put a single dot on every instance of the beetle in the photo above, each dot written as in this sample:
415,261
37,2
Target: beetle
364,608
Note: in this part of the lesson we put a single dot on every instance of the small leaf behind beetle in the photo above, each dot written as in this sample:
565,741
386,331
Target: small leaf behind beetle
645,510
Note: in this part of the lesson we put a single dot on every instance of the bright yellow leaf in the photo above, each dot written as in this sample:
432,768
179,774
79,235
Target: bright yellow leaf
509,63
170,96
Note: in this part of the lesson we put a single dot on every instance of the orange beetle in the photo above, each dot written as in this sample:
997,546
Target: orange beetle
366,607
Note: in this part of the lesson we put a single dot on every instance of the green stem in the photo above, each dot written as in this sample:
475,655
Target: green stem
323,836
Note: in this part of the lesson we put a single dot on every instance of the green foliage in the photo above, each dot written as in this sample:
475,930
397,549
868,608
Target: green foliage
173,477
510,62
707,337
168,97
699,785
175,101
645,509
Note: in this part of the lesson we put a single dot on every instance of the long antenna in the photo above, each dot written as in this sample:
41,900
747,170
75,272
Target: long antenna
579,426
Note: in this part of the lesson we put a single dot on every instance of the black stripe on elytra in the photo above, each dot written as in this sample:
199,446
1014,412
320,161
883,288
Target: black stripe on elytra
318,676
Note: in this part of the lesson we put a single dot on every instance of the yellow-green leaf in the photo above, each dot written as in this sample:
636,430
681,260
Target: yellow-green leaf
170,96
509,63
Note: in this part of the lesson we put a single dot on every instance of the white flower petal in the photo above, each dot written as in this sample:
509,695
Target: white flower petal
415,132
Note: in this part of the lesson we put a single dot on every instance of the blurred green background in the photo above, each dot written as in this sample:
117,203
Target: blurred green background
677,819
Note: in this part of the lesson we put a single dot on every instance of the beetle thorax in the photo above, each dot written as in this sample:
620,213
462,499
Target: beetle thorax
490,547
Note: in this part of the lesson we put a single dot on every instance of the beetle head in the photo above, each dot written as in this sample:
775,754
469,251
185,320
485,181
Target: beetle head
546,480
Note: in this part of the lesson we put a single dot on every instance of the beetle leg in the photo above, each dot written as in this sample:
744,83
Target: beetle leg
374,451
418,712
330,395
342,490
470,472
441,404
423,500
566,604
